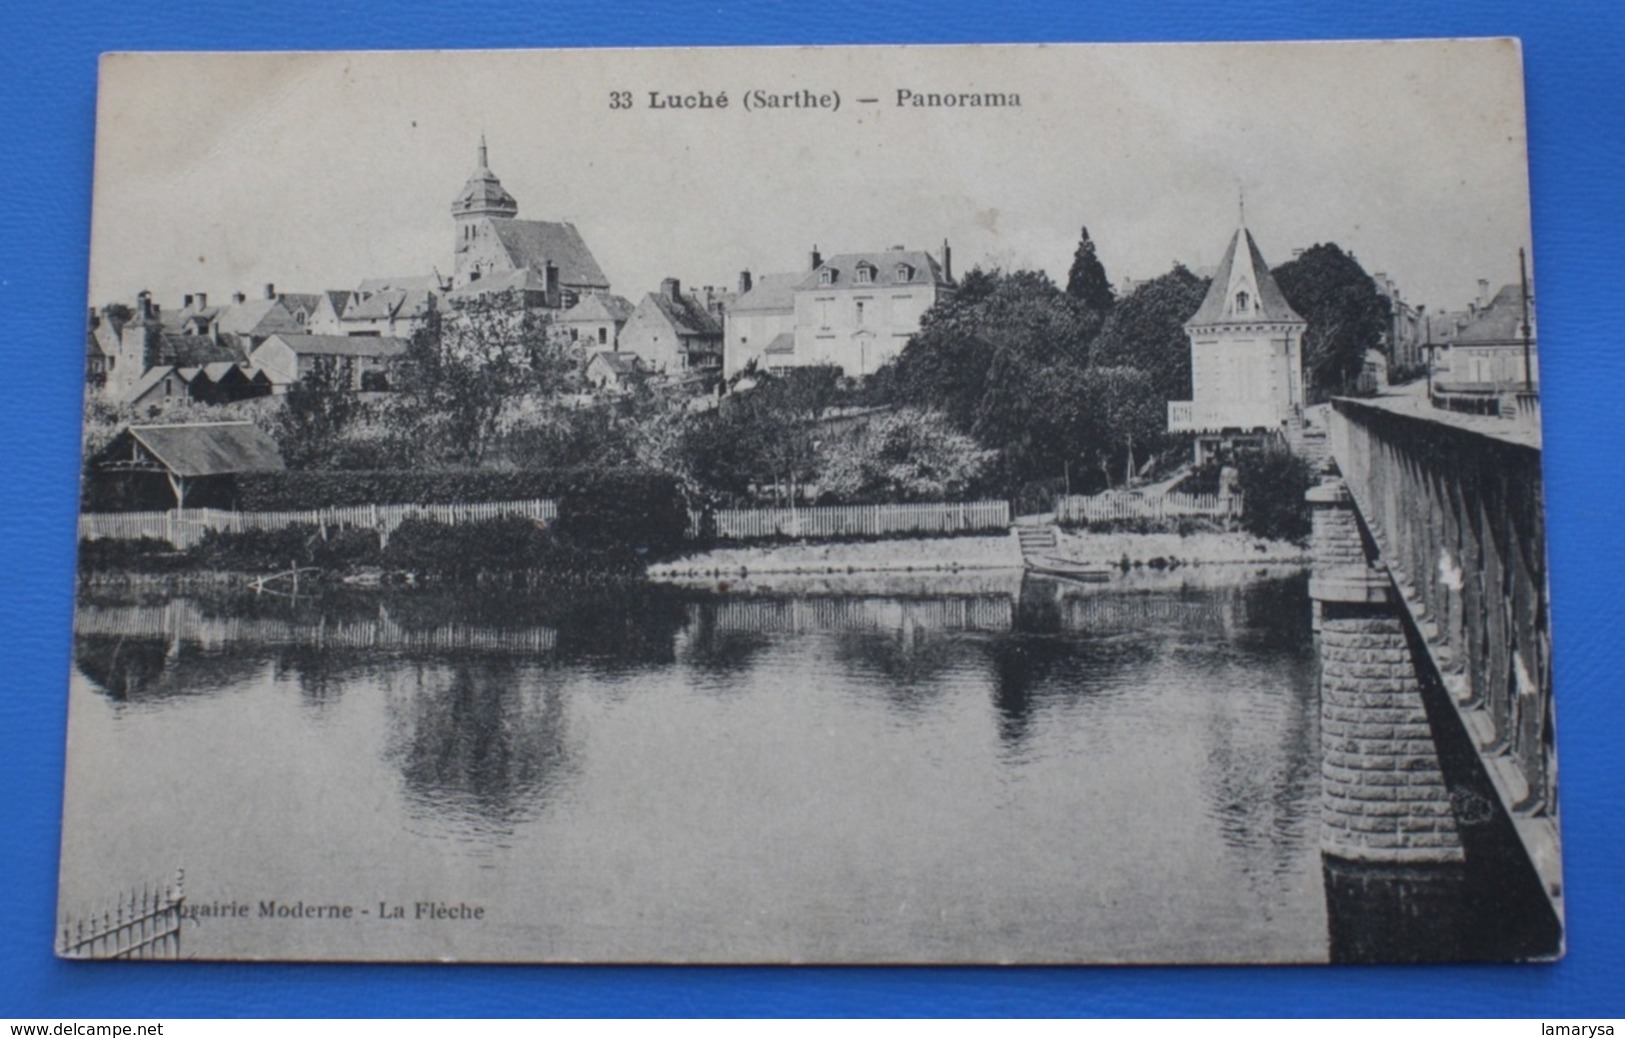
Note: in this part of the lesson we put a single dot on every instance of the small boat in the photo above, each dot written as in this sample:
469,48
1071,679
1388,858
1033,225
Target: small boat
1068,569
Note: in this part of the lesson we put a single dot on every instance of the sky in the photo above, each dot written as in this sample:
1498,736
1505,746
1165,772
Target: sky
221,172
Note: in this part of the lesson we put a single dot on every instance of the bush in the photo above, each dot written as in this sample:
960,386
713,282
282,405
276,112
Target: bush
639,508
511,545
1273,483
144,555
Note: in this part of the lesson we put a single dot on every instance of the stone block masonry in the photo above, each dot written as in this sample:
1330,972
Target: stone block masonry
1383,795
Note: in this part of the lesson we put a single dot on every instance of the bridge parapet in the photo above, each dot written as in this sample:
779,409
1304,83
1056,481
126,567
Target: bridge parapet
1454,513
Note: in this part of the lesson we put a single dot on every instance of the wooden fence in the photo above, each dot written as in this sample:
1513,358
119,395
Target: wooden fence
739,524
144,924
1116,505
184,528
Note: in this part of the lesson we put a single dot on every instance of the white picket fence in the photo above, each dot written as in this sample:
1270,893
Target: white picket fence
1119,505
185,528
739,524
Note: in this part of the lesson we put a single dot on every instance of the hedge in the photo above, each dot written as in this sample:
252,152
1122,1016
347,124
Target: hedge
639,508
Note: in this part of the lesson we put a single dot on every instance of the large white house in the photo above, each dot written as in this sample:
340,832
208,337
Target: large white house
1247,383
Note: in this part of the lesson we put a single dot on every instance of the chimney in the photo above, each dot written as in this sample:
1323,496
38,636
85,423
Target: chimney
550,278
671,288
270,290
186,302
238,298
95,319
1298,253
202,300
1483,292
817,260
143,304
897,248
947,261
744,281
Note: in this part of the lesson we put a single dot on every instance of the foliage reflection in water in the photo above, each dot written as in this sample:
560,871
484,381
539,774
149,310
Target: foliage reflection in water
1036,771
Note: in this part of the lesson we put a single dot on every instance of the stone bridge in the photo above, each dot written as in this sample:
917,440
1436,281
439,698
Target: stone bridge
1439,831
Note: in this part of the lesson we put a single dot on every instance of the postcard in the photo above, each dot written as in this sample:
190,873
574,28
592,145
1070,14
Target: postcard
987,504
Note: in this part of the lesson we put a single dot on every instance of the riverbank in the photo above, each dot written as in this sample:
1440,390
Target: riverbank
950,555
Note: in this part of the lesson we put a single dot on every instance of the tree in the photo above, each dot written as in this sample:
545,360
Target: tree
1273,483
763,433
1130,412
1146,330
1345,313
1086,281
994,358
468,370
317,412
908,455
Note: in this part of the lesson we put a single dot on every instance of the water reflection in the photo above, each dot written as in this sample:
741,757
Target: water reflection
484,745
1061,771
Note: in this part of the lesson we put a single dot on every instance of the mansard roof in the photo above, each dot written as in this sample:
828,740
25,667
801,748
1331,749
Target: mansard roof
923,269
1272,306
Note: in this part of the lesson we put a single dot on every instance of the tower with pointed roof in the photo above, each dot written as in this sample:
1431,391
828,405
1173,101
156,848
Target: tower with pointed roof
1247,382
545,264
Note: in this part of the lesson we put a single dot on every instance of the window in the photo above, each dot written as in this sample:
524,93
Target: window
866,274
826,276
603,336
860,311
905,273
1242,301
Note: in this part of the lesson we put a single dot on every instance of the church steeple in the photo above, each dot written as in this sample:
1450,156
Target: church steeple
483,194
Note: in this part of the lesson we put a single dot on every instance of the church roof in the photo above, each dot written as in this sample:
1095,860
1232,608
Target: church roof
483,192
535,243
1244,262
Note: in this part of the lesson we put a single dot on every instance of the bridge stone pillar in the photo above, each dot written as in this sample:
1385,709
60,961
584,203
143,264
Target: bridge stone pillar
1391,852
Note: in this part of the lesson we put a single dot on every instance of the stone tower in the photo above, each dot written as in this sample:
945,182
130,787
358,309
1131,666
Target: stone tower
482,196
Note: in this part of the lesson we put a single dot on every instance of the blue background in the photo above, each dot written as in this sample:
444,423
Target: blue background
1573,59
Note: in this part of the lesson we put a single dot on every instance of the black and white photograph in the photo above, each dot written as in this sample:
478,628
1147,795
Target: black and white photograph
1020,504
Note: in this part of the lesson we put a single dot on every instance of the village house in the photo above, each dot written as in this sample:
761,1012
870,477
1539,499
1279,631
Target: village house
760,326
596,321
328,316
1405,331
1483,347
614,373
547,264
363,360
672,333
396,306
856,311
1246,358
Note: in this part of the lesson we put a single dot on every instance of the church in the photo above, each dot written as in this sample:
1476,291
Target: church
1247,382
546,264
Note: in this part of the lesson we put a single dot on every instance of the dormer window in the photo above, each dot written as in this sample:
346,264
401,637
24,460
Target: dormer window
905,273
866,274
826,276
1243,302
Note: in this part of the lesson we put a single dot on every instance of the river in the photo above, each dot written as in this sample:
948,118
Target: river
986,771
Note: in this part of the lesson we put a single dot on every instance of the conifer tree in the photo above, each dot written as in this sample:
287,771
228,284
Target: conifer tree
1086,281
